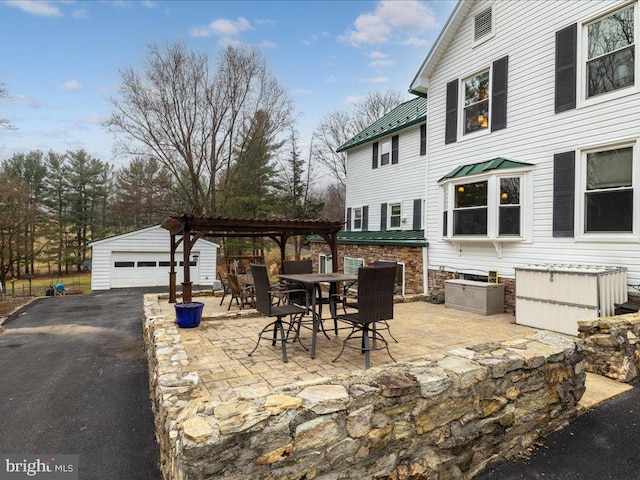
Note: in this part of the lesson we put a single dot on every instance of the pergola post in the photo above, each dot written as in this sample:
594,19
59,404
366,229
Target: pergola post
186,255
172,271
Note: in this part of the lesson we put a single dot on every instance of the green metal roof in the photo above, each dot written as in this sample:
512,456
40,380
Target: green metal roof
478,168
403,116
406,238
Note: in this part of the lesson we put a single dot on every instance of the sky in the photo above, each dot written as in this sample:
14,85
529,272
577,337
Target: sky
60,61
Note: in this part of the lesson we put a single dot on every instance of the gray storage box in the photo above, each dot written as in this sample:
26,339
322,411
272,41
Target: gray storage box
473,296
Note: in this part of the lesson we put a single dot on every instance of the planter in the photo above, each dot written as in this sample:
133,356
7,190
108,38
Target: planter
189,314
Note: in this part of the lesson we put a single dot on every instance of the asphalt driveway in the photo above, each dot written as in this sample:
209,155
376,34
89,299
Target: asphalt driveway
74,381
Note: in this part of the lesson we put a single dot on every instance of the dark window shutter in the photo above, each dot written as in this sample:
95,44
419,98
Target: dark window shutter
374,158
348,226
566,62
451,123
394,149
564,184
365,218
383,217
499,94
423,139
417,214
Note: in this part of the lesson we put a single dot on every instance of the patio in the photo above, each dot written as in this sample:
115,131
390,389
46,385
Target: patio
218,348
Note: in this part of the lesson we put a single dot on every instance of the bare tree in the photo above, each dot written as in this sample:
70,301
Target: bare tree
341,125
4,123
192,119
374,106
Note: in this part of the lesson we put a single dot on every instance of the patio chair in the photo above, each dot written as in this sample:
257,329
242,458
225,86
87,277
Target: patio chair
375,304
264,304
225,286
350,299
244,295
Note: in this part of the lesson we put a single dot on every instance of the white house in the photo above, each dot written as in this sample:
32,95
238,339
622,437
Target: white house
533,132
386,175
142,259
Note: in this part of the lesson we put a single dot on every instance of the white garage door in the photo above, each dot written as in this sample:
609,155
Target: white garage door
146,269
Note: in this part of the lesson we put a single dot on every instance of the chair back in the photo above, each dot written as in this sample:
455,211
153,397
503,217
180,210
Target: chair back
261,285
382,263
292,267
375,292
234,284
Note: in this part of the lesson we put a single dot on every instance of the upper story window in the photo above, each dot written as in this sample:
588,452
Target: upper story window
610,61
395,216
483,25
385,152
476,102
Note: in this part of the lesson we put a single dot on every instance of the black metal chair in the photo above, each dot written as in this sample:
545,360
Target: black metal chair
375,304
264,304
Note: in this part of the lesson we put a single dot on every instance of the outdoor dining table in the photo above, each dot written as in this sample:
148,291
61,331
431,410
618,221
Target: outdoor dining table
315,279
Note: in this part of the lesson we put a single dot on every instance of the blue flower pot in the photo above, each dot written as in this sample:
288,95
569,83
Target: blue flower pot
189,314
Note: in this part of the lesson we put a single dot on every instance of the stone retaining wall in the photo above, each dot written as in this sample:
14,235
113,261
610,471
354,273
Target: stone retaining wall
611,346
444,417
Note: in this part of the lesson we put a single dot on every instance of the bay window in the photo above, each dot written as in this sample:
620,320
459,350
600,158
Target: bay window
488,206
470,211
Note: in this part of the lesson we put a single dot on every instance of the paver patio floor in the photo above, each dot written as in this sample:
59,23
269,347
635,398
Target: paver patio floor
218,348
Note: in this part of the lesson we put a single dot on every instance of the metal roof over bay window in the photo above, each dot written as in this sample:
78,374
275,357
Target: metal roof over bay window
498,163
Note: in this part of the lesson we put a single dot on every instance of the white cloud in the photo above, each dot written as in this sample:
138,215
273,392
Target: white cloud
148,4
377,54
83,14
267,22
301,91
26,101
43,9
223,27
72,85
414,42
375,80
382,63
390,20
330,79
268,44
352,100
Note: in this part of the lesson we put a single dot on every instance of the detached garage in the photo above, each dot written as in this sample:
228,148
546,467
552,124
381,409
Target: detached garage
142,259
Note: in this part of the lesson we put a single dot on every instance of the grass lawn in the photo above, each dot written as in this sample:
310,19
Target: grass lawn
75,282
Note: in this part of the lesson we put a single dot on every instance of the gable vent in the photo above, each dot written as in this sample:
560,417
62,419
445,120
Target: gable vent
483,24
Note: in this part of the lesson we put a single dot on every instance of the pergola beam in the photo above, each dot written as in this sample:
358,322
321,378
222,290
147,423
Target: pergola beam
193,228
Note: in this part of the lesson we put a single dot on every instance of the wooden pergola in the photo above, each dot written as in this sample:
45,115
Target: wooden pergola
188,229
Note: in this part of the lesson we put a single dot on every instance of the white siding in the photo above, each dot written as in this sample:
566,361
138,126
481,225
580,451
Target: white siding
402,183
525,31
149,240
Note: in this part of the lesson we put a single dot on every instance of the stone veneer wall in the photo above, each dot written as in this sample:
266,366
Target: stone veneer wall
611,346
436,279
441,418
410,256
